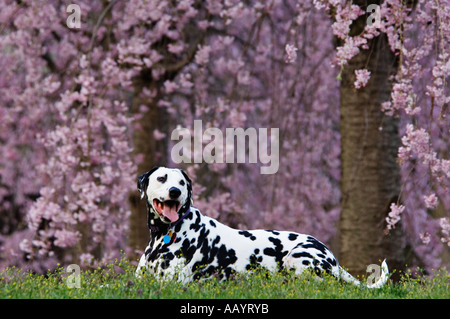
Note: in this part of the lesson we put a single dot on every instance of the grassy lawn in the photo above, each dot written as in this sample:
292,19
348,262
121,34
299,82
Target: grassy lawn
117,280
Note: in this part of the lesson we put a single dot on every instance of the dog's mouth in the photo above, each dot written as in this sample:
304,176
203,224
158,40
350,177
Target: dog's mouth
167,210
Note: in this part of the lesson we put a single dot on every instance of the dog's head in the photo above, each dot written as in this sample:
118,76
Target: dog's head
168,193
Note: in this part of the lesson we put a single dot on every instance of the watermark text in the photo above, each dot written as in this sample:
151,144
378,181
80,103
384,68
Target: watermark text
231,147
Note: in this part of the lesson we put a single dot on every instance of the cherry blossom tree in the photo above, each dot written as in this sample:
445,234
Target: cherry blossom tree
84,110
65,125
417,33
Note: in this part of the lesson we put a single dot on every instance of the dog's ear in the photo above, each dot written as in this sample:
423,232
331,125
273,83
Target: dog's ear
189,187
142,182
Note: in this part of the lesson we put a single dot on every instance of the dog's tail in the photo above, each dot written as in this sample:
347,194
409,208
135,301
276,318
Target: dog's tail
380,281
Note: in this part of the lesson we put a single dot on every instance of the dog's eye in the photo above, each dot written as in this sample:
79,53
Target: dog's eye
162,179
182,183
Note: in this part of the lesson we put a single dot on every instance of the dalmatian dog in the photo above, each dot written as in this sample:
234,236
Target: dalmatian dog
186,245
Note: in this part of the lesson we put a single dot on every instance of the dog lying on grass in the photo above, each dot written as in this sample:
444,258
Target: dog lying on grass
186,245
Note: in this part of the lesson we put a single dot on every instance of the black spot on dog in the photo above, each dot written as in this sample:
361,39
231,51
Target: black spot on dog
314,243
226,257
332,261
276,252
187,250
166,260
197,224
326,266
254,262
244,233
317,269
178,226
152,255
272,231
292,236
247,234
202,238
213,224
211,251
302,254
162,179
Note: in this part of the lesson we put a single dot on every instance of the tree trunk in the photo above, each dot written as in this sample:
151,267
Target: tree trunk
370,175
154,154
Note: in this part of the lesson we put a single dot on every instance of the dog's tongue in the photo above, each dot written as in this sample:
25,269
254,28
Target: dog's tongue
170,212
168,209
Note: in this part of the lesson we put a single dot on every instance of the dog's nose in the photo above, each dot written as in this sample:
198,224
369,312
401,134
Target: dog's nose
174,192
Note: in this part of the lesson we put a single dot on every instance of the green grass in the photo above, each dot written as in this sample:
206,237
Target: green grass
117,280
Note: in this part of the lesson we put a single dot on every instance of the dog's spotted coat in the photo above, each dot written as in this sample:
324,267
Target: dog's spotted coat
186,245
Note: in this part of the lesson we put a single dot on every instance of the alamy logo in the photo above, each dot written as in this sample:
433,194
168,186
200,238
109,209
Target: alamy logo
74,20
232,149
374,16
74,279
376,273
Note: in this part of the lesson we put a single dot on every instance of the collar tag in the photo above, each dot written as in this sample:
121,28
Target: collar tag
170,237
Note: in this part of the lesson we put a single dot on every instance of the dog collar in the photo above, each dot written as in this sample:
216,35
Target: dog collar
153,229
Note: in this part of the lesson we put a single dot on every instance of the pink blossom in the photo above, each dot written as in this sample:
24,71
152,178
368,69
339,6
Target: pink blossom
319,4
203,24
425,238
243,77
25,245
291,53
445,228
202,56
349,49
362,76
431,201
386,107
394,215
84,62
158,135
415,141
185,81
176,48
170,86
66,238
